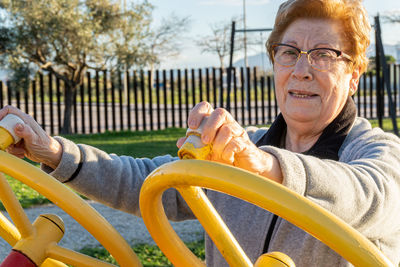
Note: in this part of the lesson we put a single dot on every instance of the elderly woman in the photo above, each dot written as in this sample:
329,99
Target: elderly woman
316,147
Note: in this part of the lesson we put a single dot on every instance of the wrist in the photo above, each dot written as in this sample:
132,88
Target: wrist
271,167
55,154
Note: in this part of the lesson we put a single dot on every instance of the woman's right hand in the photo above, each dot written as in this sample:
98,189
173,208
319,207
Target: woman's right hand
35,143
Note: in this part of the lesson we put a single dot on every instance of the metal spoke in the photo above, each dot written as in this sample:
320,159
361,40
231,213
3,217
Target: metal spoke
8,231
14,208
74,258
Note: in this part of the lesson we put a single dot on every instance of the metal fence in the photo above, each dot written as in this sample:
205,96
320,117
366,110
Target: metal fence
164,99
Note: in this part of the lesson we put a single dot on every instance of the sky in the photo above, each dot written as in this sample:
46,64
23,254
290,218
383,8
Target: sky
259,14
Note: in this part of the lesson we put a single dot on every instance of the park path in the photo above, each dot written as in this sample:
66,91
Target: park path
129,226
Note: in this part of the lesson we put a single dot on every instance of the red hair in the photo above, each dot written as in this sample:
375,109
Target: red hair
351,13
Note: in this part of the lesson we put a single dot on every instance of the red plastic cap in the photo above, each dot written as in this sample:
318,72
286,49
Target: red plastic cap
16,258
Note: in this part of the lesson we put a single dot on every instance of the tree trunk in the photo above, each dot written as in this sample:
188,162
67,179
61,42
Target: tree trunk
69,93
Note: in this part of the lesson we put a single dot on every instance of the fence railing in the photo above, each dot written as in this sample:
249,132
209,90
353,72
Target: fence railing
164,99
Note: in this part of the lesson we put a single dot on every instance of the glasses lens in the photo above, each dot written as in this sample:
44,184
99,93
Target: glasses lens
286,55
322,59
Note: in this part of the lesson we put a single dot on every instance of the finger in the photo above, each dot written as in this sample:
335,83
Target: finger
234,147
28,119
217,118
16,151
197,114
225,134
217,158
9,110
180,142
25,132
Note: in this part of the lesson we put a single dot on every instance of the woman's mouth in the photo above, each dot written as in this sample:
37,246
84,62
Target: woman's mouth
302,94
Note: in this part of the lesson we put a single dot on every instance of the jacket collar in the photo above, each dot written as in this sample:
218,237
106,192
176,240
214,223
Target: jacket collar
331,139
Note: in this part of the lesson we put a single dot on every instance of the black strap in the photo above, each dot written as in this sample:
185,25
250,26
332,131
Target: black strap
77,169
270,232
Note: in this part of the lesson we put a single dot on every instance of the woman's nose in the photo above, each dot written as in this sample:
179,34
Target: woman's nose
302,69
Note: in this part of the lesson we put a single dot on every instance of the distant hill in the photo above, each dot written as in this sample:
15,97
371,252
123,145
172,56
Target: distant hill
259,60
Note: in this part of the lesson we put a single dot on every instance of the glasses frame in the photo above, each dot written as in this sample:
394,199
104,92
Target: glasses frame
337,52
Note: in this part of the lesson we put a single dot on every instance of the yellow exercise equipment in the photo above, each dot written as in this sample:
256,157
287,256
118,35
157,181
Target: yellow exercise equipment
189,176
39,240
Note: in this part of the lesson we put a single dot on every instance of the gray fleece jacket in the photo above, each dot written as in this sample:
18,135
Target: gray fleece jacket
362,188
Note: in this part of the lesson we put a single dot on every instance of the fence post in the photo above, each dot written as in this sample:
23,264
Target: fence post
50,80
386,75
26,99
34,99
128,99
193,89
150,87
58,92
172,87
75,100
112,77
248,95
221,87
255,93
121,100
105,99
142,87
165,98
41,83
187,93
83,114
8,87
180,98
135,91
243,83
158,99
97,88
235,93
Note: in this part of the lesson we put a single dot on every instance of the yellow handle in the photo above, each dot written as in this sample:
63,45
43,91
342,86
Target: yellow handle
254,189
6,139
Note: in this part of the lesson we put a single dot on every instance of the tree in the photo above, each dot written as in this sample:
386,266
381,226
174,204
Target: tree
391,17
166,40
220,40
69,37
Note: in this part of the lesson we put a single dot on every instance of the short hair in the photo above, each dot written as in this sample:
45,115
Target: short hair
351,13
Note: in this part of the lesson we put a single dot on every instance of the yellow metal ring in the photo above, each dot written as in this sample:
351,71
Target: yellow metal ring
72,204
188,175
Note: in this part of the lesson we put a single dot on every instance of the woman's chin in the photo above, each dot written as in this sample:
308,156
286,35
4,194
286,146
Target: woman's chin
301,116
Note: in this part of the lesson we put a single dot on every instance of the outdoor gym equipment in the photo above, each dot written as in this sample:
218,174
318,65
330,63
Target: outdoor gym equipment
189,176
36,244
38,241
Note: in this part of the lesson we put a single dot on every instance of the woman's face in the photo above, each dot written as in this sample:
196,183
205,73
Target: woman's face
308,97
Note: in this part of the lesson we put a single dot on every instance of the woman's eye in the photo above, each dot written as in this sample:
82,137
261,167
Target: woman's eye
323,54
289,52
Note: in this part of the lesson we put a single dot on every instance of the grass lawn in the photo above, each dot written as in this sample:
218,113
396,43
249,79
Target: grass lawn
136,144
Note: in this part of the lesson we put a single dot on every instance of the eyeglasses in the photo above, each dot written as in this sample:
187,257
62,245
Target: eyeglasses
321,59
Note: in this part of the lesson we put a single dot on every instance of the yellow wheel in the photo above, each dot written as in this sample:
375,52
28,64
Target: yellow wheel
39,240
189,176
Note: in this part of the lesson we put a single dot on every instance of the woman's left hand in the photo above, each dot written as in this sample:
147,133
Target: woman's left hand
230,142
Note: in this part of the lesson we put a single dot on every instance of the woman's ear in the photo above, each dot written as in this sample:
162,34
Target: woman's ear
355,78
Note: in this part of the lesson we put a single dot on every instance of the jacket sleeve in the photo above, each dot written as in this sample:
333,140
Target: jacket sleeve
113,180
362,188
